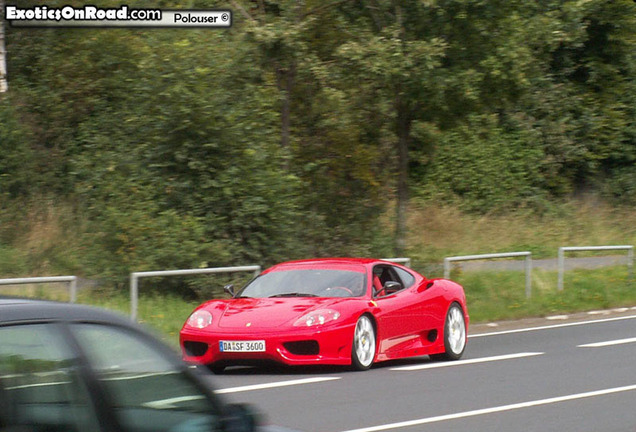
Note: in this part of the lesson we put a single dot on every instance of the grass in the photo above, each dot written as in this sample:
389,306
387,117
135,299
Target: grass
164,313
494,296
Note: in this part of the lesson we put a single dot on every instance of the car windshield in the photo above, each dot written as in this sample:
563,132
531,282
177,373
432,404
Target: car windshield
306,283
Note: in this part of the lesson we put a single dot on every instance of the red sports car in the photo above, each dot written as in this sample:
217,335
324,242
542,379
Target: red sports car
338,311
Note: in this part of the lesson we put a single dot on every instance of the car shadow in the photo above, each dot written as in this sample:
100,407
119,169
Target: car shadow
284,370
278,369
404,362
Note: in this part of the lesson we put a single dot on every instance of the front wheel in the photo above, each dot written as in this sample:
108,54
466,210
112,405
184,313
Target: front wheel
363,347
454,334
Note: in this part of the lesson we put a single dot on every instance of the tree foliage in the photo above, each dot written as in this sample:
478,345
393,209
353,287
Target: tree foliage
297,130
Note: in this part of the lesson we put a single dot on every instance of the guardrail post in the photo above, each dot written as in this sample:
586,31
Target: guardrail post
73,289
447,268
561,268
134,296
528,276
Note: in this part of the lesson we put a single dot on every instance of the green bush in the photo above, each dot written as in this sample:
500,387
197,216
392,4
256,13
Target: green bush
483,168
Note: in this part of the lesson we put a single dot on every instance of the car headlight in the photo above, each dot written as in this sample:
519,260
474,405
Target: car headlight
317,317
200,319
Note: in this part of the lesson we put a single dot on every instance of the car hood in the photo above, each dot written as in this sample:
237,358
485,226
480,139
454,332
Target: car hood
268,312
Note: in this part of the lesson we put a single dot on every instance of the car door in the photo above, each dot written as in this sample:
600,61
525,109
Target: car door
399,313
404,317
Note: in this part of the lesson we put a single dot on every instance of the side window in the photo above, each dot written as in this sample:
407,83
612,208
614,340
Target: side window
383,274
407,278
378,272
150,392
43,390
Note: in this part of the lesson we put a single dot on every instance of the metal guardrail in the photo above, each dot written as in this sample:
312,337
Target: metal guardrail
135,276
528,264
563,249
134,279
71,280
405,261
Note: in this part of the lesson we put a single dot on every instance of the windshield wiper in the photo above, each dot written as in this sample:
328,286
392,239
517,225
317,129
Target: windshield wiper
293,294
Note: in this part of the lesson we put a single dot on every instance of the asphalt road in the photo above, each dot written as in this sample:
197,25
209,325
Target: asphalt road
549,375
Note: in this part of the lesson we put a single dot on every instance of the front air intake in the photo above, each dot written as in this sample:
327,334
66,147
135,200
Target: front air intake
195,349
306,347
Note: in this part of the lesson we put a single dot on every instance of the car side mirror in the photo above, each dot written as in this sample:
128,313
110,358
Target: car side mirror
239,418
229,289
392,286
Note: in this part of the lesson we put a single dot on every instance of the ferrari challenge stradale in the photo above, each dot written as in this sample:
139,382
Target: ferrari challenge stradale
336,311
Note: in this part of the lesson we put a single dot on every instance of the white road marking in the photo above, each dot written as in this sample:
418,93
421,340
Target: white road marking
599,312
557,317
171,403
465,362
549,327
126,377
494,410
274,385
39,385
607,343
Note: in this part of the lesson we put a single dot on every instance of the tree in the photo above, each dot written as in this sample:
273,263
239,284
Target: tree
278,29
321,140
4,85
16,158
400,60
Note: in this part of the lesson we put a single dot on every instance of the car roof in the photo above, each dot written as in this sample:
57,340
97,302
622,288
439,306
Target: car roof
15,309
327,262
353,264
339,260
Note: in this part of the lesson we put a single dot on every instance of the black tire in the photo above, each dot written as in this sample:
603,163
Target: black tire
363,346
454,334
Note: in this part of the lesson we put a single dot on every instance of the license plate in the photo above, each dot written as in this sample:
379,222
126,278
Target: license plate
242,346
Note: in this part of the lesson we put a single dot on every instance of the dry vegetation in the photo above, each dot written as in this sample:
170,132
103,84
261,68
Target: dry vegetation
439,231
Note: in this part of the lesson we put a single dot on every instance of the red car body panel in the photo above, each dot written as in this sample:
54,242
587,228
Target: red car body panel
408,323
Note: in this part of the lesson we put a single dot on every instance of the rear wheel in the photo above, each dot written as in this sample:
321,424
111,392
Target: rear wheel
454,334
363,348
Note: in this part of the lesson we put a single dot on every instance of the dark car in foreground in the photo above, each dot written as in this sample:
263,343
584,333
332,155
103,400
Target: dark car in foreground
72,368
